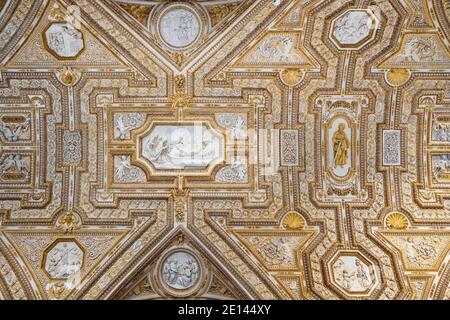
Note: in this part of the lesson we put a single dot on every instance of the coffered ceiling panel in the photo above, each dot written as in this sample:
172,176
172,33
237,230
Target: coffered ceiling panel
225,149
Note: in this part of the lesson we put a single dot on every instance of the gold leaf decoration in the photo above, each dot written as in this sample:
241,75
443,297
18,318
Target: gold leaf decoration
57,13
181,198
397,77
140,12
68,77
293,221
218,13
180,81
180,101
68,222
396,220
178,58
292,77
56,290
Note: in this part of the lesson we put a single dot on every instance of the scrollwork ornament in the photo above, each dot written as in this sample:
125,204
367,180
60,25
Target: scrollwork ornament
68,222
68,77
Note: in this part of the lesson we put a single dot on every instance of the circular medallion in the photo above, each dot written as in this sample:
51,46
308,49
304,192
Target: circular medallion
181,270
179,27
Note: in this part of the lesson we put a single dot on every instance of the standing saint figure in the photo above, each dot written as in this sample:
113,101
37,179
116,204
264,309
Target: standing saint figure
341,144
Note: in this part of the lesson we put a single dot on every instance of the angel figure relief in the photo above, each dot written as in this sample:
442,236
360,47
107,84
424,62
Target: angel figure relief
14,166
278,48
14,131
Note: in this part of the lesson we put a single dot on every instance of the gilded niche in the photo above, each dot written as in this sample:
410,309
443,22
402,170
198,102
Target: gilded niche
224,149
340,139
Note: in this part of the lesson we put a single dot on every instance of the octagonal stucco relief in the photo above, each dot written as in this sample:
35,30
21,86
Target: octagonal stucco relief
354,28
63,258
63,40
353,274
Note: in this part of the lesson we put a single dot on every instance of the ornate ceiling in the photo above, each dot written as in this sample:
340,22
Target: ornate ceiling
290,149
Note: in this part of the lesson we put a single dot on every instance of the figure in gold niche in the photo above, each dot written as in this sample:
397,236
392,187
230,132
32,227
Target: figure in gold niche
341,145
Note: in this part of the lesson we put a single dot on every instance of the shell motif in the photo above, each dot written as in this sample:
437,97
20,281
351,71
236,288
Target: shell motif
396,220
397,77
293,221
292,77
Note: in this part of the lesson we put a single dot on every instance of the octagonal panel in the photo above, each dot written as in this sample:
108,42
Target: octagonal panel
63,40
182,147
321,169
353,29
63,258
352,273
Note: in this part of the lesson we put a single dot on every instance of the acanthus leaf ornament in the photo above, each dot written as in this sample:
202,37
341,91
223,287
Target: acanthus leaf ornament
178,58
181,101
67,76
180,82
68,222
57,13
56,290
181,198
